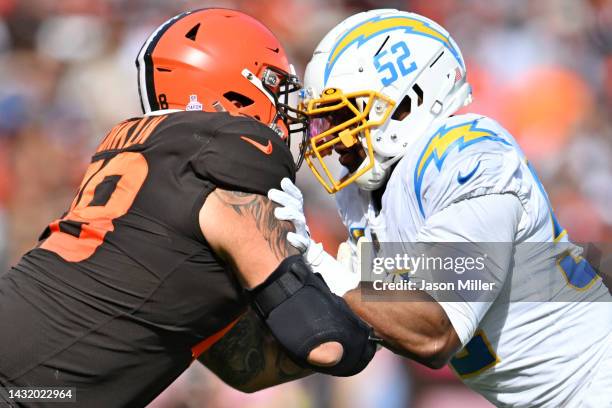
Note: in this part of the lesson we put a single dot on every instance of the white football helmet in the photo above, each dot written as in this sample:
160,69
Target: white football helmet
379,78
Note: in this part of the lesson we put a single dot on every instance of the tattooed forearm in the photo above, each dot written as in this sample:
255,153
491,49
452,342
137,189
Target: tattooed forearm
239,356
248,357
262,211
287,370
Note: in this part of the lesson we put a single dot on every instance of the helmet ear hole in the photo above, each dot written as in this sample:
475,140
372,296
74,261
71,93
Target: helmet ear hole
405,106
403,109
238,99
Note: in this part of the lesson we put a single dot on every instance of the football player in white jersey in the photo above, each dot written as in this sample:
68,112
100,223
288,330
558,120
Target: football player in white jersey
380,92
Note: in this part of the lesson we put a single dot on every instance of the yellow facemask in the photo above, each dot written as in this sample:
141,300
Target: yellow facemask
353,129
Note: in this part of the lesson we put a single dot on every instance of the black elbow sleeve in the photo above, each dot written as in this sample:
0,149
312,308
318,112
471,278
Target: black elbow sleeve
302,313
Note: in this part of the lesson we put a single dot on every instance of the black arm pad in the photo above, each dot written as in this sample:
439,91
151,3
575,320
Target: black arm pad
302,313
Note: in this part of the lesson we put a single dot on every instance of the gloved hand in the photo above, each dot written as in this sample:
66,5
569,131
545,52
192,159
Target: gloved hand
292,202
292,209
337,275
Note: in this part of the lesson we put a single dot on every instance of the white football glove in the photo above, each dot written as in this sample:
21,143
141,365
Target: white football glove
292,209
339,277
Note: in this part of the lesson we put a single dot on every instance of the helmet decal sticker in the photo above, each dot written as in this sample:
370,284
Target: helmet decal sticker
193,104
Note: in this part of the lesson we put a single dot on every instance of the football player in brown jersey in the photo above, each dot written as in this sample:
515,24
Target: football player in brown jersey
170,251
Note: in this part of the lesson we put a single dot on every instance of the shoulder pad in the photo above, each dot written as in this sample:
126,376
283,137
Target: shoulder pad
469,155
243,154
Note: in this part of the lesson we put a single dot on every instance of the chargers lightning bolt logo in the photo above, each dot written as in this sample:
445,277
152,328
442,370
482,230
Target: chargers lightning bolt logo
440,145
371,28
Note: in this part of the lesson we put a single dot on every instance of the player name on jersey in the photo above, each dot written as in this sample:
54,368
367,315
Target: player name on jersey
130,133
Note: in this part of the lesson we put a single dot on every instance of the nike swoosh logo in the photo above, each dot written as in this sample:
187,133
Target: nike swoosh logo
276,50
265,149
463,179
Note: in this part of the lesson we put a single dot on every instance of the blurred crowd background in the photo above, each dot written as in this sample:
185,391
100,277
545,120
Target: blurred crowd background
542,68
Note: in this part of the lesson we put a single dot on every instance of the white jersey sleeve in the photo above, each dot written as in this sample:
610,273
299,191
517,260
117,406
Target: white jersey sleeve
470,220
